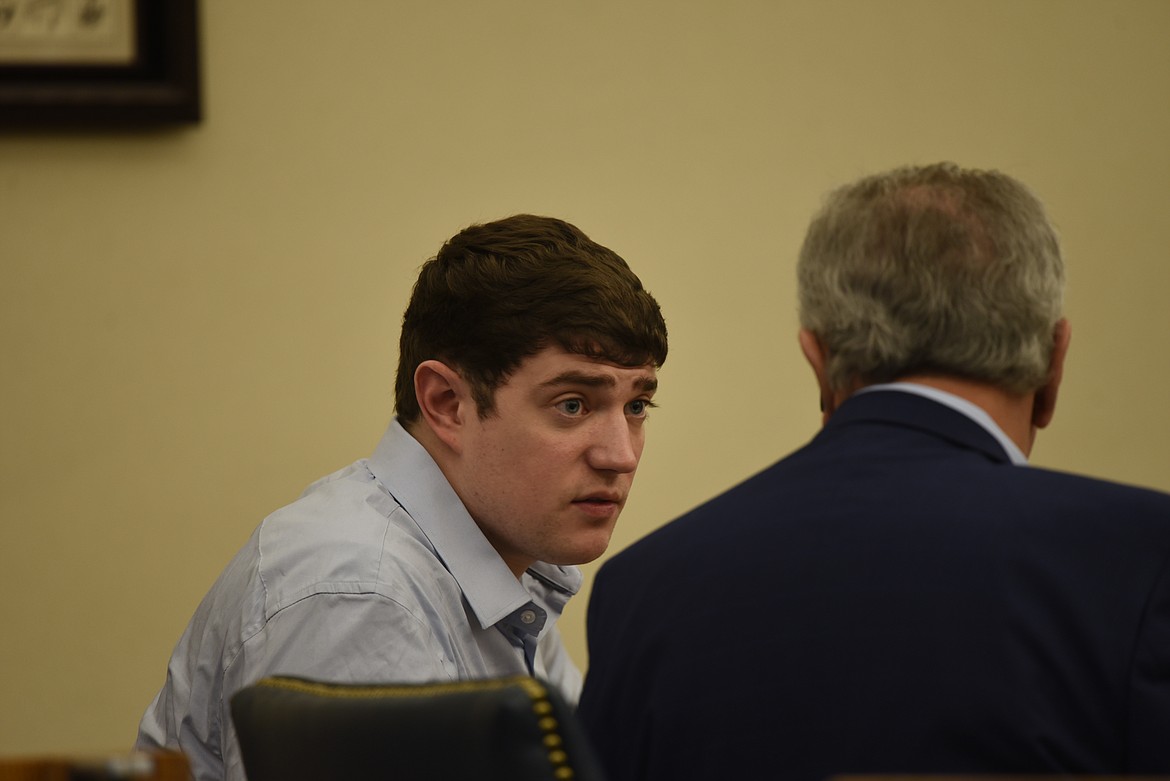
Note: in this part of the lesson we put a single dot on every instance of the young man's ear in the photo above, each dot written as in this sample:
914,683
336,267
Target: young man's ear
444,401
1044,403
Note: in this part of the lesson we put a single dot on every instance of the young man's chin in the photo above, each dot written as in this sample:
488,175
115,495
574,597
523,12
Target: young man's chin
584,552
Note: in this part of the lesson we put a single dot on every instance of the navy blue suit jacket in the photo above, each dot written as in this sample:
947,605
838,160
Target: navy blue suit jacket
895,597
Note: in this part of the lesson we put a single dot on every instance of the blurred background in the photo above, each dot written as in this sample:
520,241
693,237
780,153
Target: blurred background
196,322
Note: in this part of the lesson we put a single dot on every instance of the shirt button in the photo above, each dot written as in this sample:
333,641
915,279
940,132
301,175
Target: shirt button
528,616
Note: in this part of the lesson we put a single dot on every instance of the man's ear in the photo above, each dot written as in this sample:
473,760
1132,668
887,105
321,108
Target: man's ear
818,358
1044,404
444,401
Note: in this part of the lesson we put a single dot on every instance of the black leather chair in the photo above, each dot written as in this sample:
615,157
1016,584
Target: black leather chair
519,729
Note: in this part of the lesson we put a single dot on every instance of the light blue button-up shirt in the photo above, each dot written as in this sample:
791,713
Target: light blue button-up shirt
376,574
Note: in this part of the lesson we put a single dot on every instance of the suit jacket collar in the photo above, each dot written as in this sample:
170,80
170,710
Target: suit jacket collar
917,412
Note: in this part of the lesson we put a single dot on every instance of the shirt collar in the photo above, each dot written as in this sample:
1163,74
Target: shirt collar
960,405
407,471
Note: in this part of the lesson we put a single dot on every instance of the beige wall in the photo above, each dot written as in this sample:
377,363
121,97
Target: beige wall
198,322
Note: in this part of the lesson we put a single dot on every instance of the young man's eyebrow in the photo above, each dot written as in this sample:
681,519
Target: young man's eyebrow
647,384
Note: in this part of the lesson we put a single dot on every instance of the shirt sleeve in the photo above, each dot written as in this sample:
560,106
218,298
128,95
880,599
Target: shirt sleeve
337,638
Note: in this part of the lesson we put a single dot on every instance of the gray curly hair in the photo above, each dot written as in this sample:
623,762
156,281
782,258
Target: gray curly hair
933,270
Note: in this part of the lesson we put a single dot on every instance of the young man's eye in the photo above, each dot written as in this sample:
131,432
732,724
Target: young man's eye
571,406
640,408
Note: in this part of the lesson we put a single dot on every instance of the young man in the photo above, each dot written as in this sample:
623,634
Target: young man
903,595
527,365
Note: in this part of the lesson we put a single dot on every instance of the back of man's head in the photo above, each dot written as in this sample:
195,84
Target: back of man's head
933,270
499,292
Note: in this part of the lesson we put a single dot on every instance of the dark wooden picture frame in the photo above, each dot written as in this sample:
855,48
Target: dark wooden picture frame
159,84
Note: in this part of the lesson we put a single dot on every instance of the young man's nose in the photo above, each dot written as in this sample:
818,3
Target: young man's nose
617,446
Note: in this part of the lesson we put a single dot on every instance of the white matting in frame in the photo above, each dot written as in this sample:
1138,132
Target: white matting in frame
67,32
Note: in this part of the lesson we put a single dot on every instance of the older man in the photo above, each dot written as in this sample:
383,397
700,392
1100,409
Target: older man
903,594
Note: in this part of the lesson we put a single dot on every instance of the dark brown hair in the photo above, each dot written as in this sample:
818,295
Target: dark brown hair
499,292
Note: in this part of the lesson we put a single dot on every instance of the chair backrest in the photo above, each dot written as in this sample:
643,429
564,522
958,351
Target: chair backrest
518,728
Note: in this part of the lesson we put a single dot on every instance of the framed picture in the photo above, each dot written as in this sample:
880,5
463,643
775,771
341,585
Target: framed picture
78,62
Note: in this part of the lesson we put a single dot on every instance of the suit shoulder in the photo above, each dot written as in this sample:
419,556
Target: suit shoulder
1070,486
692,533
